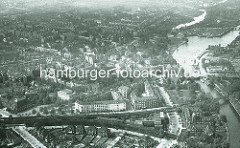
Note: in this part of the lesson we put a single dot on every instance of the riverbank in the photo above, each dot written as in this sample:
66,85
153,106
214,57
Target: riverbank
187,53
175,46
196,20
207,33
221,34
235,108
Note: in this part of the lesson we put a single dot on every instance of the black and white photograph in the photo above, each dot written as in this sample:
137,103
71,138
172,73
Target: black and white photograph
119,73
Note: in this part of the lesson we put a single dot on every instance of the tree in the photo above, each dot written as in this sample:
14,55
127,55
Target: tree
234,87
171,86
179,110
46,100
45,111
2,134
193,86
1,105
53,112
41,109
36,73
223,118
53,99
34,111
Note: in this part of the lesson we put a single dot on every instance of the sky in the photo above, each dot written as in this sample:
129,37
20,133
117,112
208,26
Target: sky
84,2
7,6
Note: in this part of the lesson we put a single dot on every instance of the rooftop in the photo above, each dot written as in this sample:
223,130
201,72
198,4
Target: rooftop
66,91
101,102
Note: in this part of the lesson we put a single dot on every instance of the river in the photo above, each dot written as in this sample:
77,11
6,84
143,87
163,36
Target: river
232,118
195,20
187,53
233,125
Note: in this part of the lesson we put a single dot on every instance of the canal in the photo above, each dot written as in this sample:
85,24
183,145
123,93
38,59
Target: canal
233,125
187,53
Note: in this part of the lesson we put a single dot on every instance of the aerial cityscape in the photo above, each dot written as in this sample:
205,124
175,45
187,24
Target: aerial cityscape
120,74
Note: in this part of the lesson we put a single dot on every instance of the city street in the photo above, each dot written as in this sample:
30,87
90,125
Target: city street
21,131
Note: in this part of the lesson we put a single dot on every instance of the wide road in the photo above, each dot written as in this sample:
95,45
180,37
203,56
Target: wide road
21,131
82,116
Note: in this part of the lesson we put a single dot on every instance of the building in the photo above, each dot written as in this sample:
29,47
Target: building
147,100
148,89
196,128
217,49
95,87
116,95
80,130
144,99
124,91
65,94
90,57
92,130
103,132
23,104
216,69
157,120
100,106
207,128
18,104
70,129
144,102
187,116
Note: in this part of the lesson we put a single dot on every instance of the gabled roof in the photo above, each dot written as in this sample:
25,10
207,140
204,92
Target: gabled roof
200,126
209,130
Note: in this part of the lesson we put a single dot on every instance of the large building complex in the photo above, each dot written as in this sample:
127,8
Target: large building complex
145,102
100,106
